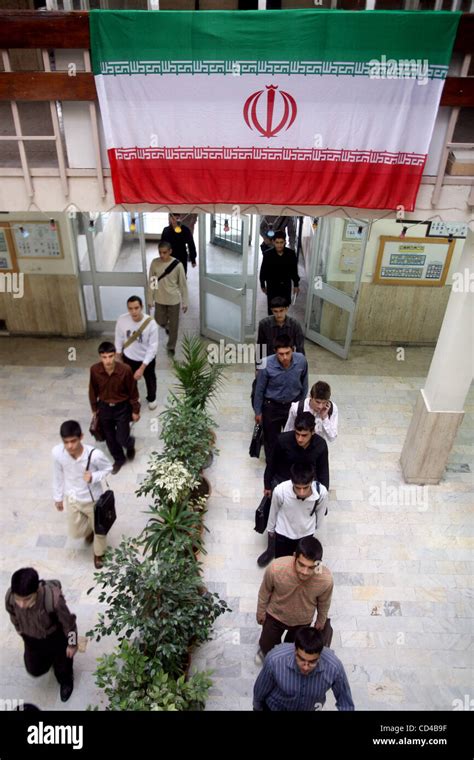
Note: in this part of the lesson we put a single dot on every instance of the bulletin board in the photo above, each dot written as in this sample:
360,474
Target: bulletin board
8,262
413,261
42,242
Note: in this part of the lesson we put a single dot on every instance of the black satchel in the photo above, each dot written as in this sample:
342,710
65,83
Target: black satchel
256,442
95,429
104,508
261,514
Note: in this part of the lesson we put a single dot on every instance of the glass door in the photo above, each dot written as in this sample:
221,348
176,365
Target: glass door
111,254
224,276
337,259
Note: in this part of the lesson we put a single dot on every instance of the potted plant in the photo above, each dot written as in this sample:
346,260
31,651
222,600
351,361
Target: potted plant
158,602
187,434
198,378
134,681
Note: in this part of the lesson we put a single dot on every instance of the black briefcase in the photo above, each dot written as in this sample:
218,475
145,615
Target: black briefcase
104,513
256,442
261,514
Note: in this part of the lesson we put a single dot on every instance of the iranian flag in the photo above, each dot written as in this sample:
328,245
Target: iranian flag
303,107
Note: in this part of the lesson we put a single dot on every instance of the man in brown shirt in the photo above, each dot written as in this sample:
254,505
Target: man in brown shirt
113,395
293,588
40,615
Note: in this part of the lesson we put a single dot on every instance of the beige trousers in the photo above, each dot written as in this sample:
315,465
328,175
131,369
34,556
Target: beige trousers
80,517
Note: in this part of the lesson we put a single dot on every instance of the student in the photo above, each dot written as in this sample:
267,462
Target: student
296,677
282,381
136,341
41,617
278,324
298,509
278,270
113,395
77,475
181,240
292,590
167,289
321,407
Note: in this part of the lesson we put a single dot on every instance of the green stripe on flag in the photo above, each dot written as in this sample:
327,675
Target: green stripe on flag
289,35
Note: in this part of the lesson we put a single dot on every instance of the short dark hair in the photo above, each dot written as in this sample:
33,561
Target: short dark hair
106,347
280,235
321,390
279,303
25,581
70,429
282,341
135,298
310,548
302,474
305,421
309,640
164,244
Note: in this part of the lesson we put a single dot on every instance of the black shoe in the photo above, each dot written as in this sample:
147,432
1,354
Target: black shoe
171,351
117,467
131,450
268,554
66,691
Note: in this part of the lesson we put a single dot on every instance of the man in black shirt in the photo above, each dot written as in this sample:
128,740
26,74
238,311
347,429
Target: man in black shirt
181,240
278,270
270,224
299,446
270,328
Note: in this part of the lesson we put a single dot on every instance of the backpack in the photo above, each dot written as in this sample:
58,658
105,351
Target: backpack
50,597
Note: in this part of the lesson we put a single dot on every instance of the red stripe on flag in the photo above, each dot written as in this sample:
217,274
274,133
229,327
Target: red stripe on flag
312,183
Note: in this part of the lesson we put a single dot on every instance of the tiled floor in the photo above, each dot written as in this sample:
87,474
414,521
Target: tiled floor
403,584
402,608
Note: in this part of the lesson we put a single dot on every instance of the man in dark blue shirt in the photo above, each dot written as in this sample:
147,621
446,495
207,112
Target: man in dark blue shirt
282,381
296,677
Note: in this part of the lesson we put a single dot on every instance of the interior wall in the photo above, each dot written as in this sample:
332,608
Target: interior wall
51,303
385,313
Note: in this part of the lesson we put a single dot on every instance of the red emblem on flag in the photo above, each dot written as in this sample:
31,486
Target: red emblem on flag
289,111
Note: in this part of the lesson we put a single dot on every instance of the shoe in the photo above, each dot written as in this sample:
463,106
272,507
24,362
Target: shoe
131,450
171,351
89,538
98,562
117,467
152,405
66,691
259,658
268,554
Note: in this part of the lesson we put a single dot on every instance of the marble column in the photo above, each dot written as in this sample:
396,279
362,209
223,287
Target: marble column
439,407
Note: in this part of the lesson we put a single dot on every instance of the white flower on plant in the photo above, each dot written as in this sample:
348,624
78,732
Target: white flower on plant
169,478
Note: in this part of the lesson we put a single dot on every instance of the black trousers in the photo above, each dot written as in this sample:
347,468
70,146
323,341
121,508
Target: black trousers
40,654
285,547
274,417
272,631
115,421
149,375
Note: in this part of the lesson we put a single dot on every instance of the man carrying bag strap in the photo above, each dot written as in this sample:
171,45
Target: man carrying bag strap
167,289
136,341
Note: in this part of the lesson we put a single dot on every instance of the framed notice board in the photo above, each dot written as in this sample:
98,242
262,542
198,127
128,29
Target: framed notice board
37,240
413,261
8,262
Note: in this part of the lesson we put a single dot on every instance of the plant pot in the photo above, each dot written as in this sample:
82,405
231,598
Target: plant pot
209,461
203,489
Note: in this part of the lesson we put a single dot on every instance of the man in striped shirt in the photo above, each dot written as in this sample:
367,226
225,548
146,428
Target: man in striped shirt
292,590
296,677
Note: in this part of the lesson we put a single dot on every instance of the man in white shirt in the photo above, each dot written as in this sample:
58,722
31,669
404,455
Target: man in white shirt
136,341
324,411
77,476
298,509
